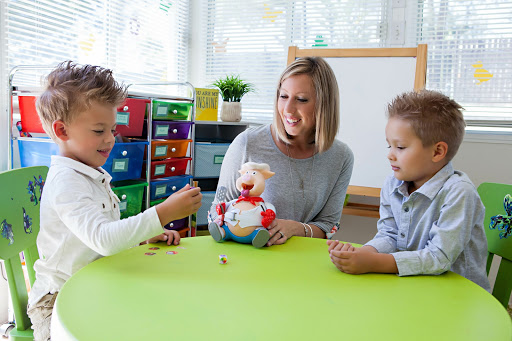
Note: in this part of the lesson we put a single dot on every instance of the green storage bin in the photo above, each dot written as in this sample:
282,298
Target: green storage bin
175,111
130,193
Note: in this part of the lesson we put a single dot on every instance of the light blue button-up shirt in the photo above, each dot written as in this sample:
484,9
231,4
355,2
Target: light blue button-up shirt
437,228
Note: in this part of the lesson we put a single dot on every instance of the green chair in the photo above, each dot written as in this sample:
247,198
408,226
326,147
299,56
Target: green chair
497,199
19,226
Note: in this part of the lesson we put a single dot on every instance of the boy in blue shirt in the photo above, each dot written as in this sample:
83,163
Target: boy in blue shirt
431,217
80,217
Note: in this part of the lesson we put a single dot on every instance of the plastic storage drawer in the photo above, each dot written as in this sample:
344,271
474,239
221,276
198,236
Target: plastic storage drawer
181,111
206,203
130,193
163,187
36,151
177,224
218,133
208,159
125,160
163,149
130,117
168,167
171,130
30,121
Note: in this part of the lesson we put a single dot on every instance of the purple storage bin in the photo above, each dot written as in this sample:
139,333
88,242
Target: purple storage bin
177,224
171,130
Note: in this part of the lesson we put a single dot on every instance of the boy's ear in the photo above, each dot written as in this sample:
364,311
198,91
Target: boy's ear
440,151
60,130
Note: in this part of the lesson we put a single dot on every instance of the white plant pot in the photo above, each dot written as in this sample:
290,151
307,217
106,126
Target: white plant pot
231,112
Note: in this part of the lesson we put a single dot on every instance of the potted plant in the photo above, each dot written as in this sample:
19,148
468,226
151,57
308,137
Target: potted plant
232,88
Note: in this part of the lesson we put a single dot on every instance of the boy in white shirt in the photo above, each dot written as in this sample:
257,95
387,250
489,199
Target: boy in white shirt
431,216
80,217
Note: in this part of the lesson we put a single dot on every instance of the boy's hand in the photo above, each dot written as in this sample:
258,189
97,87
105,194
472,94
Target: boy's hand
179,205
169,236
339,246
351,262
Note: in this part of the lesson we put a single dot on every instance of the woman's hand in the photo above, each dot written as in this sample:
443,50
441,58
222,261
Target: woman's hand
281,230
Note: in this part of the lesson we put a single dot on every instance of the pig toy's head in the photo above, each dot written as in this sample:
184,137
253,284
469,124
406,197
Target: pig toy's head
251,183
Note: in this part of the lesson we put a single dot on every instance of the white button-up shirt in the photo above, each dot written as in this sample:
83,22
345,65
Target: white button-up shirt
437,228
80,222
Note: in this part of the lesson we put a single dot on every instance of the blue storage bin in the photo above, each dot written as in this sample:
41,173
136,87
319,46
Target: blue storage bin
206,203
125,160
36,151
163,187
208,159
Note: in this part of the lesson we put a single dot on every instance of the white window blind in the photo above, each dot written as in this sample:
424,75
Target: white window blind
142,41
251,38
469,54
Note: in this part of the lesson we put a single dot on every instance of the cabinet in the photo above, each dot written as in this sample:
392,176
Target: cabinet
211,142
153,154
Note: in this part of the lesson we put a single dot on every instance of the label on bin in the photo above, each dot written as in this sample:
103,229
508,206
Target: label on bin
122,206
159,170
120,165
217,159
122,118
162,130
160,190
161,111
160,151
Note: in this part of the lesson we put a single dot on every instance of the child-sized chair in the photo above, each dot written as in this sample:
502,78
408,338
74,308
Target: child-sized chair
19,225
497,199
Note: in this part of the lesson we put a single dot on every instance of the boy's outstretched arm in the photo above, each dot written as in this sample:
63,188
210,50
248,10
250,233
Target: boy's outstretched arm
363,260
179,205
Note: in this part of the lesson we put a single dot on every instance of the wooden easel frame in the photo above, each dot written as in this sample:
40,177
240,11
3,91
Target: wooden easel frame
420,53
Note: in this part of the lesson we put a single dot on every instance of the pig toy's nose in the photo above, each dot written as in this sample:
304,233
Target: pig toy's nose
246,177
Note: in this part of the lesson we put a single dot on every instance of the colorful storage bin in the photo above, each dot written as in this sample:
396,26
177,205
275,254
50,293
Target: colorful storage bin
206,203
30,121
162,149
125,160
208,159
170,130
163,187
163,110
130,117
168,167
36,151
130,194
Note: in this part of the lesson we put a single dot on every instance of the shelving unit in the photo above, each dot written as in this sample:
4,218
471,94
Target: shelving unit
127,164
212,139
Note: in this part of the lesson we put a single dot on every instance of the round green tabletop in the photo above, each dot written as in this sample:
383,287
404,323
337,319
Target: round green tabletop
283,292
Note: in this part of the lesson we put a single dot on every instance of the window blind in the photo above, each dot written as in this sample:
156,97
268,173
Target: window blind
142,41
469,54
251,38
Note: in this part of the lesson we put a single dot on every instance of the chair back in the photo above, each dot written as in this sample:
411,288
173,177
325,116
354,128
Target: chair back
497,199
19,225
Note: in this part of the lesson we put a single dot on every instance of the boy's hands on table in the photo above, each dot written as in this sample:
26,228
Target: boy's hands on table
172,237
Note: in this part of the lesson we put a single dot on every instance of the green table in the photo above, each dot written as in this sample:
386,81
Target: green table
288,292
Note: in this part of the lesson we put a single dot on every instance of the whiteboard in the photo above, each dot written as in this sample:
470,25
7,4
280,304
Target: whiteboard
368,80
366,86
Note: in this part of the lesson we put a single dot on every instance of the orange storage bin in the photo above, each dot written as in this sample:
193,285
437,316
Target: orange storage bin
30,122
130,117
163,149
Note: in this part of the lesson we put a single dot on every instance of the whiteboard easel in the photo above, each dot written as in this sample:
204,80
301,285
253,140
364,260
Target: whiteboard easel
368,78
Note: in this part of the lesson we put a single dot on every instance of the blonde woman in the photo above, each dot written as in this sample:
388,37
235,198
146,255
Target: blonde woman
312,168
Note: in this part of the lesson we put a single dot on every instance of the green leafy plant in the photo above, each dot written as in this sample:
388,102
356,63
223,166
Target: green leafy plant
232,88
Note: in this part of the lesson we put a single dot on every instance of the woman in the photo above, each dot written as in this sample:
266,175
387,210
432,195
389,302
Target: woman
312,168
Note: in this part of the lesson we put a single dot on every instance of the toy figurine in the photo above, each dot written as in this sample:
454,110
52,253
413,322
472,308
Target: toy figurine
20,130
246,219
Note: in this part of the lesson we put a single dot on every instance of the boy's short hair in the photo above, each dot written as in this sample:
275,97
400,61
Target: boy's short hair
71,88
327,109
433,116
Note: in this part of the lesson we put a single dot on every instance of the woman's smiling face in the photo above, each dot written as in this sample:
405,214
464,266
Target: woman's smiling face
296,105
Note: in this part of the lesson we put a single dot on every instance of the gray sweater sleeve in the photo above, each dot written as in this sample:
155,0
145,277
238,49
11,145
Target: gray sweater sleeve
307,190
